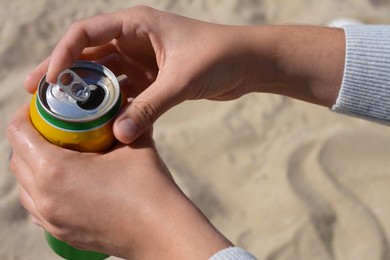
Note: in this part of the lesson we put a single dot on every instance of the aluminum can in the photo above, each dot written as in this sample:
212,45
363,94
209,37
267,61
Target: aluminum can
84,126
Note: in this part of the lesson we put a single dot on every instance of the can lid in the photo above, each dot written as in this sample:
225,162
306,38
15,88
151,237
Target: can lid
104,94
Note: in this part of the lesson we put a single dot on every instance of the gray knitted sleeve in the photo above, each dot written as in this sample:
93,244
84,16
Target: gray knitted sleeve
365,90
233,253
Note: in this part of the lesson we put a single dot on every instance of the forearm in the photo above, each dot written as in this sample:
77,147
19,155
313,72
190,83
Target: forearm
174,228
188,234
302,62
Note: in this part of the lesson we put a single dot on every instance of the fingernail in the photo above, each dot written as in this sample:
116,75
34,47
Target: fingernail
128,128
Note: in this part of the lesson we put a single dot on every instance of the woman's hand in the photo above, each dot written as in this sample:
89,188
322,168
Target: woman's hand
124,202
169,58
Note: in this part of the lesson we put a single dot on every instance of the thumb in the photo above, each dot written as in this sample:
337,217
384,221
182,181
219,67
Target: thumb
133,120
141,112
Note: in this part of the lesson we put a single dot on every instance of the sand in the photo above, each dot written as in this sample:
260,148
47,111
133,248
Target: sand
281,178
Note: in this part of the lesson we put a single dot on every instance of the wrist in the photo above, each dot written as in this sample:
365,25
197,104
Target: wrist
312,60
186,233
178,230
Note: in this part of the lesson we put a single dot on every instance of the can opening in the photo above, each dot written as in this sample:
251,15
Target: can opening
95,99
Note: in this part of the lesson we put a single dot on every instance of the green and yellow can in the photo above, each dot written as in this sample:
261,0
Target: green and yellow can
84,126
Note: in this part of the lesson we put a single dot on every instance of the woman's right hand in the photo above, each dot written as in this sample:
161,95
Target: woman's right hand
170,58
166,57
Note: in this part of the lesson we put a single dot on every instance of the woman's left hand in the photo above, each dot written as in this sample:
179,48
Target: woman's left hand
123,202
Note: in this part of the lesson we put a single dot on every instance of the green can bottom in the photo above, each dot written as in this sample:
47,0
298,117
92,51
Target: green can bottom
70,253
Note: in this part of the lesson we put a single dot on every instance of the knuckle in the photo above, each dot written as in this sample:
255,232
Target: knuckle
78,245
75,245
60,233
141,9
13,164
14,128
77,25
51,173
77,28
70,237
45,180
138,14
145,111
50,211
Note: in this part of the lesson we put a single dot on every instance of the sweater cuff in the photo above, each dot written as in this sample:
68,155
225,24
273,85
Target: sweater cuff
233,253
365,89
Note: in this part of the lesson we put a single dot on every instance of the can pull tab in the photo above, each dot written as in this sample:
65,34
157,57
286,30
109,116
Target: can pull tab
72,84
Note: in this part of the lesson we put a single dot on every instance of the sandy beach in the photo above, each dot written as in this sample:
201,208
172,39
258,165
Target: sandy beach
284,179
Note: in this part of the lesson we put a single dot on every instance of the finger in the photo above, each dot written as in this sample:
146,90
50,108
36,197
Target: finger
90,32
131,87
22,173
128,89
137,78
98,52
32,148
29,205
114,63
138,116
37,222
32,80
